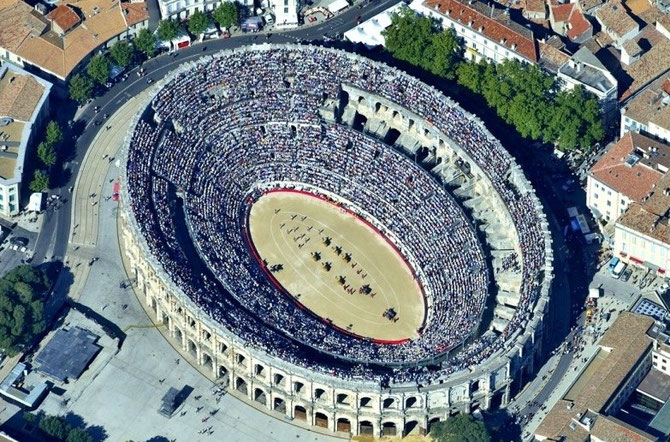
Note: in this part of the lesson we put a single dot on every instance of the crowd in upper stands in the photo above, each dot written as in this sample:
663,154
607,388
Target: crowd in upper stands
243,122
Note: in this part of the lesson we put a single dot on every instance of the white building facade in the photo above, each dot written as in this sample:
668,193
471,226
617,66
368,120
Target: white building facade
487,33
18,123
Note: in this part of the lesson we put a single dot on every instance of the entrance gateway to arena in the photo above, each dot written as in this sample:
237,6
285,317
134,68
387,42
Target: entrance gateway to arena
333,262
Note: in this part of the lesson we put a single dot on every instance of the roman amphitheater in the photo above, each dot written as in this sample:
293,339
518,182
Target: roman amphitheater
334,239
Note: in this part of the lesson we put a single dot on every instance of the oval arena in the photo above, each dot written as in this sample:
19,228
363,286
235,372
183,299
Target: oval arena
335,240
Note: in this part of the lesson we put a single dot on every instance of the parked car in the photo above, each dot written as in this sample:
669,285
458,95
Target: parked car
626,275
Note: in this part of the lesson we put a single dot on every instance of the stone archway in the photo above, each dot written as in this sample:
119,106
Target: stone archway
389,429
320,420
299,412
343,425
412,427
366,428
278,404
241,386
260,397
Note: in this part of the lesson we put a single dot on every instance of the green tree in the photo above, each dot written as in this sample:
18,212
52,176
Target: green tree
98,68
471,75
446,54
410,38
227,14
78,435
145,42
53,134
461,428
80,88
198,23
40,182
54,426
168,29
46,154
576,121
122,53
30,418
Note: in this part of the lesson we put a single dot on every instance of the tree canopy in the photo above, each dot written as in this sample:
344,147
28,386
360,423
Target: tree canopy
57,428
198,23
46,154
122,53
21,307
521,94
40,181
227,14
145,42
98,69
461,428
418,40
168,29
80,87
528,99
53,135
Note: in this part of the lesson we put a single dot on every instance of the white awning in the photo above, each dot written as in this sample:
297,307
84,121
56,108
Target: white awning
370,31
338,5
35,202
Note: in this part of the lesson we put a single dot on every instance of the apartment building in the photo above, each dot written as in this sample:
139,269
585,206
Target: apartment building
627,172
24,105
60,42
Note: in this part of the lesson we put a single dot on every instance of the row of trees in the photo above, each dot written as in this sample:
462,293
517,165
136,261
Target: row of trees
227,15
47,155
56,428
121,54
22,293
521,94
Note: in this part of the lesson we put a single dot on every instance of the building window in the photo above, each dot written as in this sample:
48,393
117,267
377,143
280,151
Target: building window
609,203
595,196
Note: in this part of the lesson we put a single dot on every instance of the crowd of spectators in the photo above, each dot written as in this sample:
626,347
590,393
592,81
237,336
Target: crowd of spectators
243,122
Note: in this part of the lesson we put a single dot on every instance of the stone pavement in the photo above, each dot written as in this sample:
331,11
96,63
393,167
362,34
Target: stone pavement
90,181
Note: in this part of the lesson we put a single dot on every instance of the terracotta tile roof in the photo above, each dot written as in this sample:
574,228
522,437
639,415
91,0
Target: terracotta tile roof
614,18
18,22
637,181
587,5
652,63
666,86
552,58
562,12
535,6
64,16
650,217
60,55
579,25
637,7
134,13
494,29
19,96
613,430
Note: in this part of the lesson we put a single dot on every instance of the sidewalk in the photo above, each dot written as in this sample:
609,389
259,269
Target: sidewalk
90,181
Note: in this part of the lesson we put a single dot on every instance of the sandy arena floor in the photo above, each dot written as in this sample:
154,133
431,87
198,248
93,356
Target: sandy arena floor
328,259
